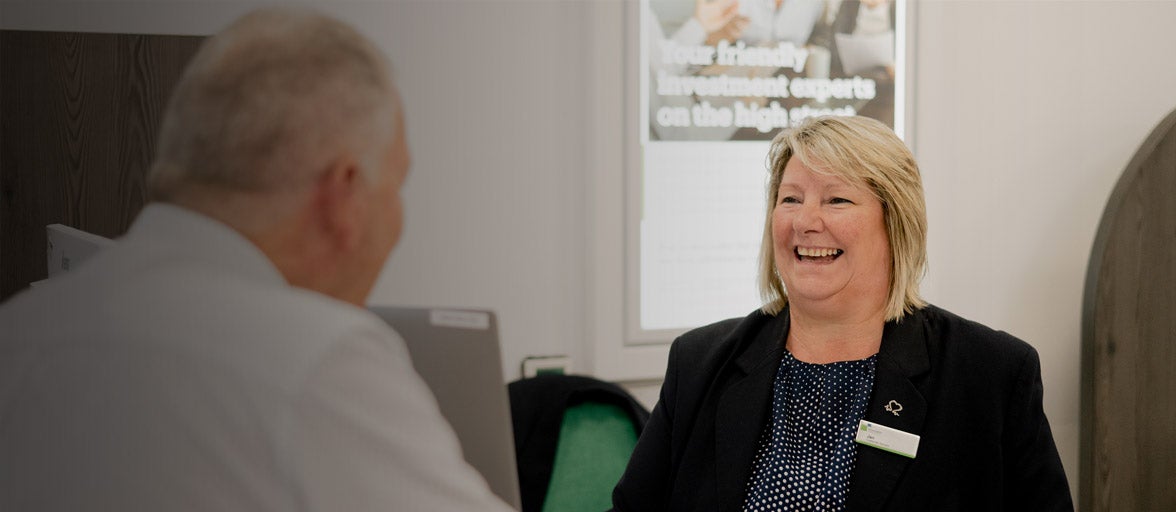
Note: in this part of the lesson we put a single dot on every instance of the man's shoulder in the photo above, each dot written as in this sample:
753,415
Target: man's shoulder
299,327
192,312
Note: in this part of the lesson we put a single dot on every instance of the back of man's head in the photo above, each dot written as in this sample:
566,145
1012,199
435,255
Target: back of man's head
264,107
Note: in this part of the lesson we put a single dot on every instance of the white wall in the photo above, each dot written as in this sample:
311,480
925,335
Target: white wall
1026,113
495,201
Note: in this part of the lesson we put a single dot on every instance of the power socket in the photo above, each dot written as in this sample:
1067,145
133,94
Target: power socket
543,365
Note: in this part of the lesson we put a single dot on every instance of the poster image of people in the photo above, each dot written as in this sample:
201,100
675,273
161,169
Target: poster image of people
742,70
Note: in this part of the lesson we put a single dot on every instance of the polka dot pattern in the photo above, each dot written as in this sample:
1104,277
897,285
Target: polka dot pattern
807,451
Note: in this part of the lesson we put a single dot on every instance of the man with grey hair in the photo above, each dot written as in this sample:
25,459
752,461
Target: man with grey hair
219,356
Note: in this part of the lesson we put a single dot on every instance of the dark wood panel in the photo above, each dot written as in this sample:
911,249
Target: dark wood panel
1129,339
80,115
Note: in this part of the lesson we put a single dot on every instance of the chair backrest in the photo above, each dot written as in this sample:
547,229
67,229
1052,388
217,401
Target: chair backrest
573,437
595,442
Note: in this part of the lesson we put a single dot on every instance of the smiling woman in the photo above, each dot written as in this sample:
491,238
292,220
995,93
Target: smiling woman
846,390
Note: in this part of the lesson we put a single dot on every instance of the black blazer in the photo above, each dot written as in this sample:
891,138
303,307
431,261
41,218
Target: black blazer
973,395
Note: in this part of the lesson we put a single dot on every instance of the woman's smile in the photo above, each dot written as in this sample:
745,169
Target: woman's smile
817,254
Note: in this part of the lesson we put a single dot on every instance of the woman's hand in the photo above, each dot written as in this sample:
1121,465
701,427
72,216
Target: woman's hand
715,14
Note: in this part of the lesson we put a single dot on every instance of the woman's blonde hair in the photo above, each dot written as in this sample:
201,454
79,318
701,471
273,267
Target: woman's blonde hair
867,153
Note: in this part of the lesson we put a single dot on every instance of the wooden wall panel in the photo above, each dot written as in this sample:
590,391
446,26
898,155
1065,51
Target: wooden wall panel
80,115
1128,447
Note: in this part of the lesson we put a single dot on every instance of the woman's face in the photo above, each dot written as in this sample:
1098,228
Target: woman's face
830,241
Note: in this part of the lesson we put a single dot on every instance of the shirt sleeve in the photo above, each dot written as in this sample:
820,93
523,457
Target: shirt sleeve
796,20
366,434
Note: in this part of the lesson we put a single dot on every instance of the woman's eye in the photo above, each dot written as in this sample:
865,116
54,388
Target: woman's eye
789,200
840,200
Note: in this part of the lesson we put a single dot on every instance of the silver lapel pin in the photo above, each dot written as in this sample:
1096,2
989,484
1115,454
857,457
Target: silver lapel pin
893,407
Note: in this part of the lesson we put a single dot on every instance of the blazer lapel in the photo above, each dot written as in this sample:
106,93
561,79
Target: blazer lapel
902,357
742,411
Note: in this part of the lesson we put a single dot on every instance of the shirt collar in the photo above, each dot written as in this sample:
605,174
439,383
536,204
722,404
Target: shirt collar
174,232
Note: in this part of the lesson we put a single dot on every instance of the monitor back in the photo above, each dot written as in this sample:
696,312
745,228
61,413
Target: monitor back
456,352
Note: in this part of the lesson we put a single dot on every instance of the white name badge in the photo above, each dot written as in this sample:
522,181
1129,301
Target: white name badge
887,439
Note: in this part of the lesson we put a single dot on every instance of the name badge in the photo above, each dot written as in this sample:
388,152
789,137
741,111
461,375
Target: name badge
887,439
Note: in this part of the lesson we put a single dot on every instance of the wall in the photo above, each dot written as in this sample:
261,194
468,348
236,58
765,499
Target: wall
1021,137
1026,113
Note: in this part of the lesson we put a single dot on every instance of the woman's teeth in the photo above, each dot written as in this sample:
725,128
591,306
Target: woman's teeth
817,253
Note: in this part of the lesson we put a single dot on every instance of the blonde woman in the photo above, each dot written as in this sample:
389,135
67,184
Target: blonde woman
846,391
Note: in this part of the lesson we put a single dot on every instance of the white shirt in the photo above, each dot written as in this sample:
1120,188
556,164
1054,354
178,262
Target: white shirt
178,370
793,21
873,20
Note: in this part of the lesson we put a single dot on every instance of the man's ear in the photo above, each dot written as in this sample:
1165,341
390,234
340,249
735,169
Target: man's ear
338,204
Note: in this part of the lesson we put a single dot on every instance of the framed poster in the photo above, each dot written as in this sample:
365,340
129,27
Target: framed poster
717,80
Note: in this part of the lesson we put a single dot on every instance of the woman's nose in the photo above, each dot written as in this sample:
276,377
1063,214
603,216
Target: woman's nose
808,219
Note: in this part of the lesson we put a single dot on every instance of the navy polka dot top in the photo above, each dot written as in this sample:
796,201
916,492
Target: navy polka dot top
807,451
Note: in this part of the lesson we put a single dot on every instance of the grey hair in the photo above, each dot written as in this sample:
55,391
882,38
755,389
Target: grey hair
270,102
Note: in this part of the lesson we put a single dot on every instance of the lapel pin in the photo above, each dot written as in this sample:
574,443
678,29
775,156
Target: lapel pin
893,407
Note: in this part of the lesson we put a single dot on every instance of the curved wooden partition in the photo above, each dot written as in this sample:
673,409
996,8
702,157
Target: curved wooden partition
1128,449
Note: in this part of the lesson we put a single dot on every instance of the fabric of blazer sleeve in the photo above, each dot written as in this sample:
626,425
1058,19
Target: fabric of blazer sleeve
1035,478
645,484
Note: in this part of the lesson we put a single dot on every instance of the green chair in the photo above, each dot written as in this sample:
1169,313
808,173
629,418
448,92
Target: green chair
573,438
595,442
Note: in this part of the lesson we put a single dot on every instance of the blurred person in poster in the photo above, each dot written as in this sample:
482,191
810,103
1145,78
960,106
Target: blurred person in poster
219,356
774,21
869,18
711,21
869,26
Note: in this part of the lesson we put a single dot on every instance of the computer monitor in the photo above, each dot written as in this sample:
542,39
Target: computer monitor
456,352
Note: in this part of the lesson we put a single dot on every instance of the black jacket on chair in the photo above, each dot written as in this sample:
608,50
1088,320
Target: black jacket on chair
972,394
537,408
